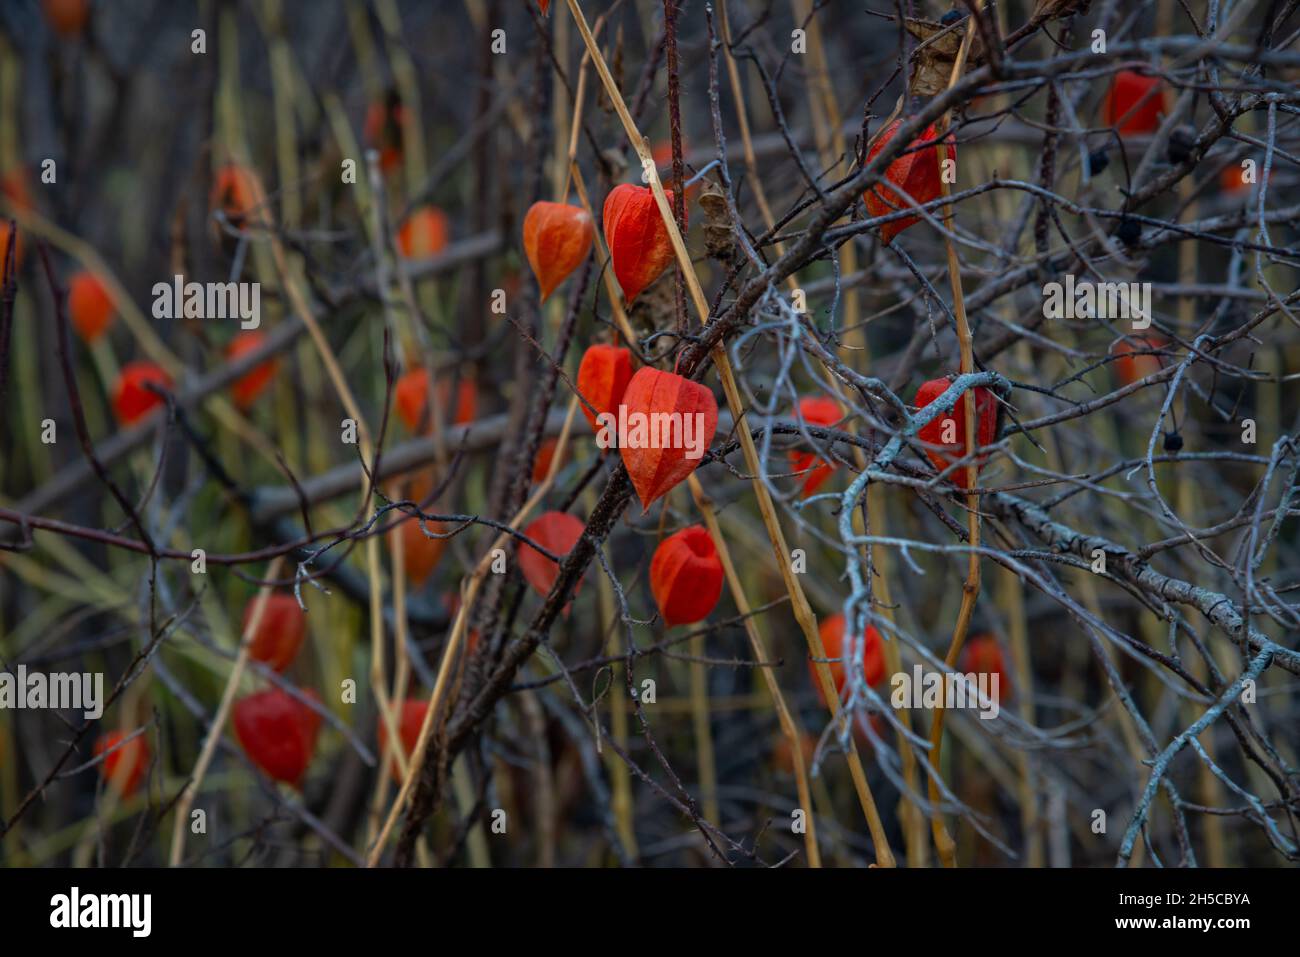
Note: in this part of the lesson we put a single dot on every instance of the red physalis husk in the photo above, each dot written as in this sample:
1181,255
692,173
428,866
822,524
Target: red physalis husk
637,238
686,576
90,307
254,382
234,192
132,399
466,410
557,532
557,238
1232,178
603,376
420,552
983,655
783,751
657,459
67,17
385,119
916,173
124,768
817,411
408,732
1125,108
280,631
13,187
277,732
873,655
1132,364
545,455
411,398
986,420
424,233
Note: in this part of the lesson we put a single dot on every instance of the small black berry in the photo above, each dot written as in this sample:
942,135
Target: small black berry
1181,141
1129,232
1173,442
1097,162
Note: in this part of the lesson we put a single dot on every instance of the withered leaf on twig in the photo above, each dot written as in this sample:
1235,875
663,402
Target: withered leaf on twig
933,59
1059,9
655,307
718,237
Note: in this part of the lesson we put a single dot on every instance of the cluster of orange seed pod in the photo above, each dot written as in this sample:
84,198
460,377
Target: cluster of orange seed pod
686,574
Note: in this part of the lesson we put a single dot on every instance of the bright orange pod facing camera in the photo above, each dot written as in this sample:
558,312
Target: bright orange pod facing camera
658,456
557,238
603,376
686,576
639,246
